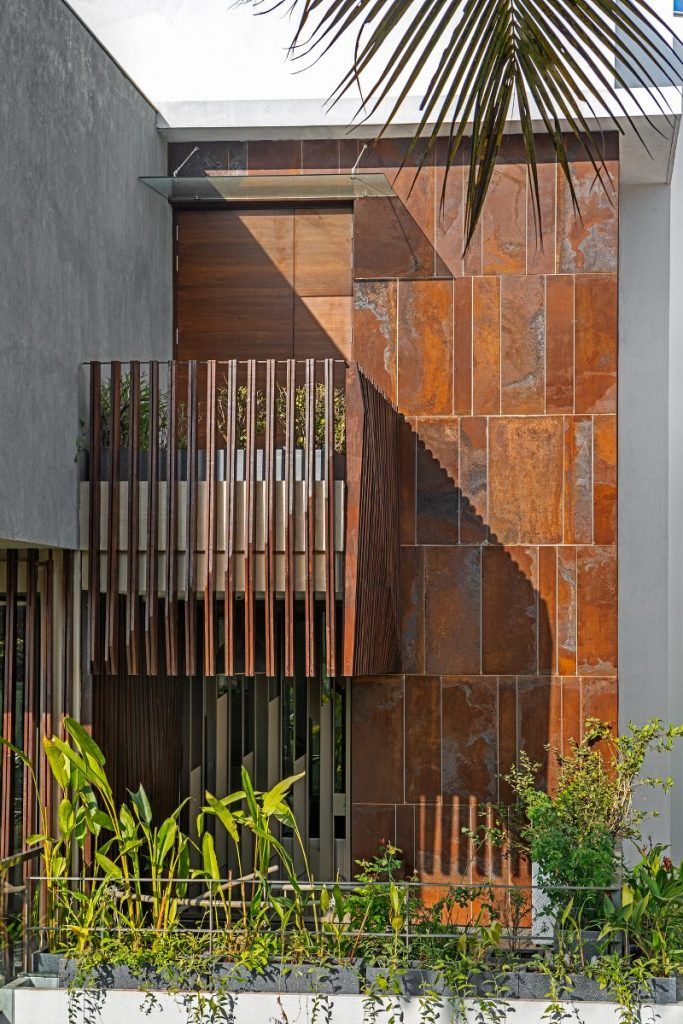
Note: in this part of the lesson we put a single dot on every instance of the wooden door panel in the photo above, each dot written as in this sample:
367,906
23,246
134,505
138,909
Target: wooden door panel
323,250
234,283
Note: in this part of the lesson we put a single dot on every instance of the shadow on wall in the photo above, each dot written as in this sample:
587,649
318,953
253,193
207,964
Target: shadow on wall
431,746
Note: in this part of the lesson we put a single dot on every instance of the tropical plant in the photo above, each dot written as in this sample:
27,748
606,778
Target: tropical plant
574,833
650,914
477,64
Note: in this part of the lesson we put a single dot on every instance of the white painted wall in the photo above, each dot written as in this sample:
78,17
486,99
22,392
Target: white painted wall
38,1007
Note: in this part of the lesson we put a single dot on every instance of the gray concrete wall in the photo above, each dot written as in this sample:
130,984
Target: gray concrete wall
651,479
85,251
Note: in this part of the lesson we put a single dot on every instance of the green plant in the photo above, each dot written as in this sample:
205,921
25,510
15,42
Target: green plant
300,398
573,834
476,64
650,914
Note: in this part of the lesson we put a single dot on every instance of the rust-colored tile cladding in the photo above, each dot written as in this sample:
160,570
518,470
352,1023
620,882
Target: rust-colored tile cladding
504,362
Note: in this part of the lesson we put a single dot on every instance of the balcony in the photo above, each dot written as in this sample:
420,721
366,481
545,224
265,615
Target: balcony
246,496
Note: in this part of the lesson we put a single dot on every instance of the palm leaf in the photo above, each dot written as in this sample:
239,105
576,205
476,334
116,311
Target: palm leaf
557,61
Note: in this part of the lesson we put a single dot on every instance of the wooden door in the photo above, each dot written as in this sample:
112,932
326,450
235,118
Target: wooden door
264,282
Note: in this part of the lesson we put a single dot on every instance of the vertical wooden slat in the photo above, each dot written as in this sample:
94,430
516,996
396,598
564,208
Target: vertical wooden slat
355,420
330,589
31,637
152,574
170,603
210,522
10,641
133,545
112,600
269,524
190,590
309,521
290,442
229,521
94,517
250,521
68,631
47,676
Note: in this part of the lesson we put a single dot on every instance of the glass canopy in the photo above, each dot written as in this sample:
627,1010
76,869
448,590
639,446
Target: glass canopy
222,188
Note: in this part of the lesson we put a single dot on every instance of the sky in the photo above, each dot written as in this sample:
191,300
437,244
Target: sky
207,50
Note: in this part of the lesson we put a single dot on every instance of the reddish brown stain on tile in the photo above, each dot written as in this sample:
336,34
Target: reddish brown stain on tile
469,737
547,610
578,480
474,479
507,734
538,721
462,346
588,243
525,479
509,611
599,699
566,610
412,609
504,221
370,823
377,710
423,738
452,609
486,344
425,347
559,386
605,483
596,571
374,332
596,343
522,340
571,713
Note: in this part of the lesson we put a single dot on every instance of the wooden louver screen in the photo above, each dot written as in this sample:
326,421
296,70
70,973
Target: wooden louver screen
218,500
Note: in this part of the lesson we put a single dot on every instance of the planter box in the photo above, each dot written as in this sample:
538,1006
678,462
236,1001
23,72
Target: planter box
330,980
417,981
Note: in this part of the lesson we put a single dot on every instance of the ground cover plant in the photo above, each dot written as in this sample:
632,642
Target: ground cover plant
121,890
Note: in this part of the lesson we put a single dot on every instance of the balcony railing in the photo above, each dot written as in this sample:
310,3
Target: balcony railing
231,492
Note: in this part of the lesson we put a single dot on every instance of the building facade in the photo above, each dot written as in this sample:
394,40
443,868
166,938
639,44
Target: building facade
305,486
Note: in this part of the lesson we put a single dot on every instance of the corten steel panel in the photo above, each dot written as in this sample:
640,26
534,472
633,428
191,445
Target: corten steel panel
525,479
452,609
559,355
596,572
596,343
375,332
503,222
540,239
486,345
522,344
422,738
425,348
469,726
566,611
509,611
462,346
605,479
578,479
588,244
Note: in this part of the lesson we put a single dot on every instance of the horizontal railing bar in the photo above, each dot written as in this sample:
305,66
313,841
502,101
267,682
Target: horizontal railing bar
287,884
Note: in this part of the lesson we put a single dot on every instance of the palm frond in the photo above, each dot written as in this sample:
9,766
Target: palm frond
562,62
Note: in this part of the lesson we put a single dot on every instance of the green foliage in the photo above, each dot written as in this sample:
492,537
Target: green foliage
574,833
650,916
300,394
477,65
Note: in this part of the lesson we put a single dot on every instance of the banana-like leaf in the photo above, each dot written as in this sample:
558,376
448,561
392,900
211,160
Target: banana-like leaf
84,740
478,64
141,803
